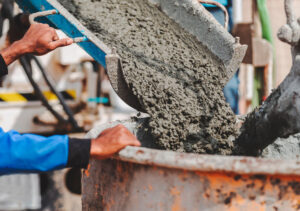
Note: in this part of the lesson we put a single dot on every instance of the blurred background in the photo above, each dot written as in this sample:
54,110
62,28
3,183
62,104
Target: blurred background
256,80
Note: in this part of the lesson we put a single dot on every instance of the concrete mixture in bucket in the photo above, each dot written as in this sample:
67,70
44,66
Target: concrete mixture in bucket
176,79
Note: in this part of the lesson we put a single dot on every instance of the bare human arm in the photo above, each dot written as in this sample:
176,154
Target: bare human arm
40,39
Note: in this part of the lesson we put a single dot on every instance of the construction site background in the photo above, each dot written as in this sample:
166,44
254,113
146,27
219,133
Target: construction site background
283,59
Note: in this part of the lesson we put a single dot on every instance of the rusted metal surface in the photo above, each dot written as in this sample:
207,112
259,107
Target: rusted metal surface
119,185
149,179
216,163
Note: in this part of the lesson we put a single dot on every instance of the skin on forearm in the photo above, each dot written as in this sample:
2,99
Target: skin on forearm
13,52
39,40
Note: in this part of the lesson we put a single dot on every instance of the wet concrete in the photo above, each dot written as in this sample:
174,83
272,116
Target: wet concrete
284,148
176,79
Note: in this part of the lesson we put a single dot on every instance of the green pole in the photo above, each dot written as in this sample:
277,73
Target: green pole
265,20
267,35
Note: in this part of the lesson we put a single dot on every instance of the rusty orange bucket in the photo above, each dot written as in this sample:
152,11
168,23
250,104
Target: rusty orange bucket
141,178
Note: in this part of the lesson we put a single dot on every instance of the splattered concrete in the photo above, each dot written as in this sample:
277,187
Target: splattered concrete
176,79
284,148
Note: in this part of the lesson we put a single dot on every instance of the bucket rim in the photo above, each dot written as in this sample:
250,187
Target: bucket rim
209,163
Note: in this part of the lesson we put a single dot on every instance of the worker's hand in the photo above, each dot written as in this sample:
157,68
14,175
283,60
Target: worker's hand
40,39
112,141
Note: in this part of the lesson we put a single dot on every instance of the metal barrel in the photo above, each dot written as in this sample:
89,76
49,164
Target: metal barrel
143,178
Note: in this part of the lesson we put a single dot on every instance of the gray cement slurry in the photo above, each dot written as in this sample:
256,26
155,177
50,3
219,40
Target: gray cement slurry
284,148
176,79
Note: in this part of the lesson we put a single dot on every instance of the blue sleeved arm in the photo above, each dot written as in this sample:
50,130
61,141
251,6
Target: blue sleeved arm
32,153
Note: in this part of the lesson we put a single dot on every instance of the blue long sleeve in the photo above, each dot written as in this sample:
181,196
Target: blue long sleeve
32,153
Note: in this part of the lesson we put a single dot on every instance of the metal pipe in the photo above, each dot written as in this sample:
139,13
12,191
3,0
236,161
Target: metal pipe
221,7
41,14
33,16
